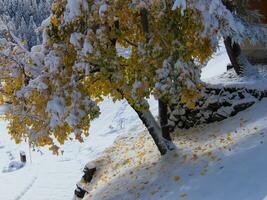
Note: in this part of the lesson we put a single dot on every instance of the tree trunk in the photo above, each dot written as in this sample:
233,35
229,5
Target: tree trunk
163,118
233,50
154,130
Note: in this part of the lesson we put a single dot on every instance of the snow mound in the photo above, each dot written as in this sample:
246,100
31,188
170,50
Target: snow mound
13,166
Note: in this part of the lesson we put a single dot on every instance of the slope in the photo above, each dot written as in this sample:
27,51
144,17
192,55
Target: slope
225,160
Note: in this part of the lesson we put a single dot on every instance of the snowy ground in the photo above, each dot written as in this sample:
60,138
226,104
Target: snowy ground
221,161
222,171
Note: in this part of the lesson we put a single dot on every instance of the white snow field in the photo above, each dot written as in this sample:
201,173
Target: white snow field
221,161
50,177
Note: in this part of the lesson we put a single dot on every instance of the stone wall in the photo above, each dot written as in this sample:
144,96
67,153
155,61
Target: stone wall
217,105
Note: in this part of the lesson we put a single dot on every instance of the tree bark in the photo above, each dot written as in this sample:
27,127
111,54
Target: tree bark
233,50
154,130
163,118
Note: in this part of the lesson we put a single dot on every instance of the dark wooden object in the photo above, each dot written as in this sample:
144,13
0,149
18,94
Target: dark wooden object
87,177
88,174
23,158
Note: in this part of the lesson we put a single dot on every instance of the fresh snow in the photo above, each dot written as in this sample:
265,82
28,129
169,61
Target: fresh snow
51,177
179,4
230,79
225,160
217,65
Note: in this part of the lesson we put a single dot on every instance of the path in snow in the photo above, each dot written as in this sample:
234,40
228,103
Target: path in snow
22,194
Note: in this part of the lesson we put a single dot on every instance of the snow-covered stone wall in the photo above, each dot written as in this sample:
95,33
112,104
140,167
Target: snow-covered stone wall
216,105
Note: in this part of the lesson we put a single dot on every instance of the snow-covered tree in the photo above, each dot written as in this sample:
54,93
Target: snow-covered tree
54,90
22,17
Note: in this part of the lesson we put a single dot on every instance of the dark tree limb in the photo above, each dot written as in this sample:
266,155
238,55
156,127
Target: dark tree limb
131,43
163,118
145,22
233,50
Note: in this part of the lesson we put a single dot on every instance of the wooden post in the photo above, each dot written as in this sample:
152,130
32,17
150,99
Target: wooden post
23,157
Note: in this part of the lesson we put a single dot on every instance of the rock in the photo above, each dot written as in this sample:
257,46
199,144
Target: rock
217,117
79,192
13,166
89,171
88,174
241,107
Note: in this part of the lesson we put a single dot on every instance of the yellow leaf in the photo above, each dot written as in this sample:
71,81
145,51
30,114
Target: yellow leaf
183,195
177,178
54,21
194,157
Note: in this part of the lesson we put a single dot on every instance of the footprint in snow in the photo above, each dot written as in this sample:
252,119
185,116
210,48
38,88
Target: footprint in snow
10,155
